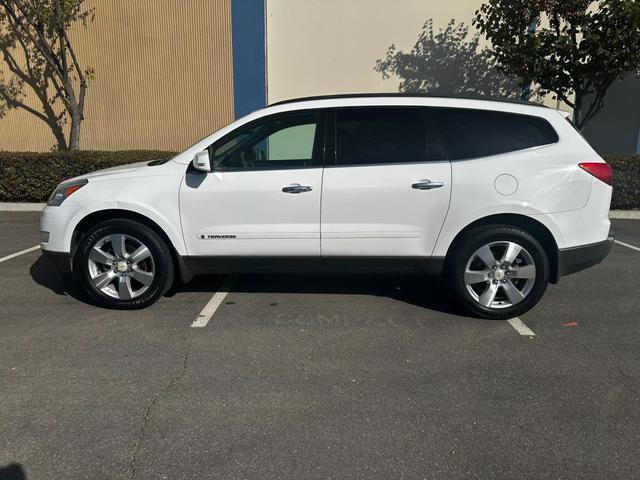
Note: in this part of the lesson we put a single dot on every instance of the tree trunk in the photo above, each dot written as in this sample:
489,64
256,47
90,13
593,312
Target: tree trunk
74,134
76,110
59,136
577,111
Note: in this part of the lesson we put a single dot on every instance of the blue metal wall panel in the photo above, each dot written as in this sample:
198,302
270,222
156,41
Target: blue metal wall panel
248,45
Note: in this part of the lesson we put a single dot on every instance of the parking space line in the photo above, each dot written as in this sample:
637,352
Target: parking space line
627,245
213,304
521,328
17,254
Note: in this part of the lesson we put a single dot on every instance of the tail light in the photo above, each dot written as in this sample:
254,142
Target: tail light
602,171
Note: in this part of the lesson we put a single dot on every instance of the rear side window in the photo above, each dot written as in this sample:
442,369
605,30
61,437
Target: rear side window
367,136
467,133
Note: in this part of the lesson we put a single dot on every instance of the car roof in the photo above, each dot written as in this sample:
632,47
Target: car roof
395,96
379,100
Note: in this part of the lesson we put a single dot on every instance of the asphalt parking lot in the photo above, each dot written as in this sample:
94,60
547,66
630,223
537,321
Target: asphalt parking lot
317,378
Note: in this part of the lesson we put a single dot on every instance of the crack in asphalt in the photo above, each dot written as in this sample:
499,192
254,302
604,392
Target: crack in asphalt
624,375
137,445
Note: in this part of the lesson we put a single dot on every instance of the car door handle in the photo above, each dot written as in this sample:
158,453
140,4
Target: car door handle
296,188
426,185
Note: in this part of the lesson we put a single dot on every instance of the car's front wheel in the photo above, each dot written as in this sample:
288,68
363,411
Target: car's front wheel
124,264
498,271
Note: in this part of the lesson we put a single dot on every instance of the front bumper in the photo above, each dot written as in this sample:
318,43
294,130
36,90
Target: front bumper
571,260
56,227
56,233
61,260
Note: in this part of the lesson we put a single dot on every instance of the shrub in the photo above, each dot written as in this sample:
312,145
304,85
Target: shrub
31,177
626,181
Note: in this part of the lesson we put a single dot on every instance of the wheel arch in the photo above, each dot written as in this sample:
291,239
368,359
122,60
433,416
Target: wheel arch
98,216
532,226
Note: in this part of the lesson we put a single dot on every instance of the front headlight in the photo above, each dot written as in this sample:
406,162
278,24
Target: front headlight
63,191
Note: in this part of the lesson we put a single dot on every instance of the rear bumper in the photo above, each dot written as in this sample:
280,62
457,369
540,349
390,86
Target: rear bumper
61,260
571,260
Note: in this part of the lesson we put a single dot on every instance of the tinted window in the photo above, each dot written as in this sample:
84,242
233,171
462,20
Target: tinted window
480,133
289,141
380,135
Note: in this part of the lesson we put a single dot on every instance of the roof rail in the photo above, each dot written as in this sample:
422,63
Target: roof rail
408,95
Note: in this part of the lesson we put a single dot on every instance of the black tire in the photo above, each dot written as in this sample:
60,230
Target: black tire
160,255
464,250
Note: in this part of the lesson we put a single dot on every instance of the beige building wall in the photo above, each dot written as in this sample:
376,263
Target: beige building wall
163,77
331,46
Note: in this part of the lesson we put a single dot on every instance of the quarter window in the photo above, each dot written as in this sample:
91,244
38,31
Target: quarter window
367,136
290,141
468,133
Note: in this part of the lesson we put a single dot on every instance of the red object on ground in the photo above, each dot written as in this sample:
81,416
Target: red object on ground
570,324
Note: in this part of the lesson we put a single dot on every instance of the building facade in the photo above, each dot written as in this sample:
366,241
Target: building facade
169,72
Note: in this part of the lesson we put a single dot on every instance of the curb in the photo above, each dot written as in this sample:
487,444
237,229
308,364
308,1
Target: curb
625,214
21,207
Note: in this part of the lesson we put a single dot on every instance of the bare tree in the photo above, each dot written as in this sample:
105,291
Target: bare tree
38,55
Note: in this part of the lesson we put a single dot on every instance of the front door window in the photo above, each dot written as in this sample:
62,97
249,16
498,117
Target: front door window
287,142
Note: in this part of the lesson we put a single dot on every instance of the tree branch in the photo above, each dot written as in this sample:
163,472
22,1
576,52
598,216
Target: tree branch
59,91
564,98
13,65
15,103
597,105
76,64
29,78
17,22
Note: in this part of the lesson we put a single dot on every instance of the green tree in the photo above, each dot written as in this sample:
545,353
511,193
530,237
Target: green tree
446,62
576,52
39,55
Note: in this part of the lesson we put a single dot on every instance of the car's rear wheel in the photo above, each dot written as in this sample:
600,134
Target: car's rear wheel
124,264
498,271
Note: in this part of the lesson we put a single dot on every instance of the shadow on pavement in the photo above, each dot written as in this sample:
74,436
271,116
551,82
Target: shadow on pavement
12,472
425,292
44,273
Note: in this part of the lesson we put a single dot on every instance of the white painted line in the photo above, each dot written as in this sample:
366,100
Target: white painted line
521,328
627,245
17,254
213,304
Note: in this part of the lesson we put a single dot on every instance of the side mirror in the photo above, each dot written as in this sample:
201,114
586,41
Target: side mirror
201,161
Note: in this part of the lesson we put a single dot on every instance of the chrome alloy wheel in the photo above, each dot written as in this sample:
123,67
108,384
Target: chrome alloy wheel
121,266
500,274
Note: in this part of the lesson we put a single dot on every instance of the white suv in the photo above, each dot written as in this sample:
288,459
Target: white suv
502,198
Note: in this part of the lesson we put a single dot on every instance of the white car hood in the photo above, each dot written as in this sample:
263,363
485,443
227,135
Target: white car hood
110,172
